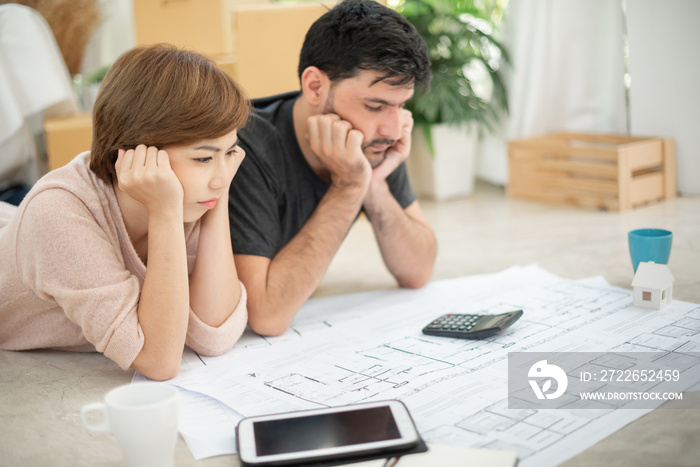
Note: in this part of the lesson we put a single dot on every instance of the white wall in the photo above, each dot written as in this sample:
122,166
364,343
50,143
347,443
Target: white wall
567,74
664,40
114,36
550,90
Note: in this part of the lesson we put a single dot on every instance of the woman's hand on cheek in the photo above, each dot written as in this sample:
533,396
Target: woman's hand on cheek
144,173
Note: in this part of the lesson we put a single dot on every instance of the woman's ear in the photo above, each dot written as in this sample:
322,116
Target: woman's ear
315,86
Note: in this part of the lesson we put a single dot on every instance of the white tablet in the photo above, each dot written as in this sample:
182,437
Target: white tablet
328,433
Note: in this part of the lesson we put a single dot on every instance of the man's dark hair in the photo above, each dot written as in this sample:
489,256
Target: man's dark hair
365,35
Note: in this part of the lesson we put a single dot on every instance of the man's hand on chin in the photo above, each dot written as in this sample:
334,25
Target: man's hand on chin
397,153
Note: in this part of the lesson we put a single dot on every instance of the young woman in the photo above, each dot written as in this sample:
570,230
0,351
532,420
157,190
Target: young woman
127,249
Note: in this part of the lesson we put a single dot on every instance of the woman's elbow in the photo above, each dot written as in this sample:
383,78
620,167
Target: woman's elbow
161,373
158,370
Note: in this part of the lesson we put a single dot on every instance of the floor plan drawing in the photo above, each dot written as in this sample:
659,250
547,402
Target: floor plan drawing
456,390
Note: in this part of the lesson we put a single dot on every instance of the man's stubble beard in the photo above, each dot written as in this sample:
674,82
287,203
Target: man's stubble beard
375,158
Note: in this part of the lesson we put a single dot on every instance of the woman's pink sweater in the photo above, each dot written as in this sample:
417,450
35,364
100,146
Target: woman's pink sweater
70,278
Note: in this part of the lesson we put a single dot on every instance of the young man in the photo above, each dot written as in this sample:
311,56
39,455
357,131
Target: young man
315,158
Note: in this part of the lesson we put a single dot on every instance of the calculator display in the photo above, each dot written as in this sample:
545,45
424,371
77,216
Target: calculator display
490,322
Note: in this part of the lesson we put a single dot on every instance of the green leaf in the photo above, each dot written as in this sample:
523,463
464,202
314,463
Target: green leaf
457,32
97,75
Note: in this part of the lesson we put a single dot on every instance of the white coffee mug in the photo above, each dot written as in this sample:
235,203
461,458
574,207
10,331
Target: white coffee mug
143,417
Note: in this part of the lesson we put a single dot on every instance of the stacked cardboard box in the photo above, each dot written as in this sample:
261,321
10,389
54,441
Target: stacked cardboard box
66,137
255,41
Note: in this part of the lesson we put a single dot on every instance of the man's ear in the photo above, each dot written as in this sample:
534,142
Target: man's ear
315,86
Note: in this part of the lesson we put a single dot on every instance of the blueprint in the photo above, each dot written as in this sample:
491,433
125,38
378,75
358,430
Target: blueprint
343,350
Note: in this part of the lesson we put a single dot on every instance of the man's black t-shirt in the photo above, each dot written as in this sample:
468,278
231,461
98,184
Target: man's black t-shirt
275,190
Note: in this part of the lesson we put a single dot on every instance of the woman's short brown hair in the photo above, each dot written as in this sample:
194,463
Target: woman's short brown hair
162,96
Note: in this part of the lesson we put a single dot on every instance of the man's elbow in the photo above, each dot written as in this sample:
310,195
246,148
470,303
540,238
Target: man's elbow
267,326
415,281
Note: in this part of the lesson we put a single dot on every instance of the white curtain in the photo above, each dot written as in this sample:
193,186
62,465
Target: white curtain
567,74
34,81
664,98
114,36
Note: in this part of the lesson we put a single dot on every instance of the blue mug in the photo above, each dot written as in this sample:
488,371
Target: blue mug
649,245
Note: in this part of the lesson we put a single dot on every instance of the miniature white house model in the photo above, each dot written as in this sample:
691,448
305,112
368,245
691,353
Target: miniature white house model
652,286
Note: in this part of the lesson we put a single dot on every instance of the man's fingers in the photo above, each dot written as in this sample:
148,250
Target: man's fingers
407,119
326,125
340,136
328,134
313,135
330,118
355,138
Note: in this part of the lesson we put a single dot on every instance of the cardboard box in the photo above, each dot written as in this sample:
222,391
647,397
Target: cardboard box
267,42
201,25
613,172
66,137
256,41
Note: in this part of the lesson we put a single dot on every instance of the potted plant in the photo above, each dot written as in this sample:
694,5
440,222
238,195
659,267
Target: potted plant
92,85
467,95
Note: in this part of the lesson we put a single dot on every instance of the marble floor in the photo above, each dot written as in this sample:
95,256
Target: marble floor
41,392
488,232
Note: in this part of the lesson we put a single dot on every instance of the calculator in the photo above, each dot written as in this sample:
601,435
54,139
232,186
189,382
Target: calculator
464,326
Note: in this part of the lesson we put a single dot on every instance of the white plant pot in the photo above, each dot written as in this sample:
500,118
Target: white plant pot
450,172
90,95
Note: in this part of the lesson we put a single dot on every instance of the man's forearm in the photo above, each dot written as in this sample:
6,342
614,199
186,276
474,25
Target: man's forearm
405,239
297,269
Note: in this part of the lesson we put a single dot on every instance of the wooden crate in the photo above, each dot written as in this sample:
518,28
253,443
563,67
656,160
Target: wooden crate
594,171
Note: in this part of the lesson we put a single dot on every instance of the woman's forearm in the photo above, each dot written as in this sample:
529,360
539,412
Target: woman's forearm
164,304
214,287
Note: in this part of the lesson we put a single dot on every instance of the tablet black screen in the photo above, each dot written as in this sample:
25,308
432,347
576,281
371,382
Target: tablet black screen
324,431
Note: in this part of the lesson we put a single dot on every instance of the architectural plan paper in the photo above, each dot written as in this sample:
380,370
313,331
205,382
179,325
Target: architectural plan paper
349,349
451,456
